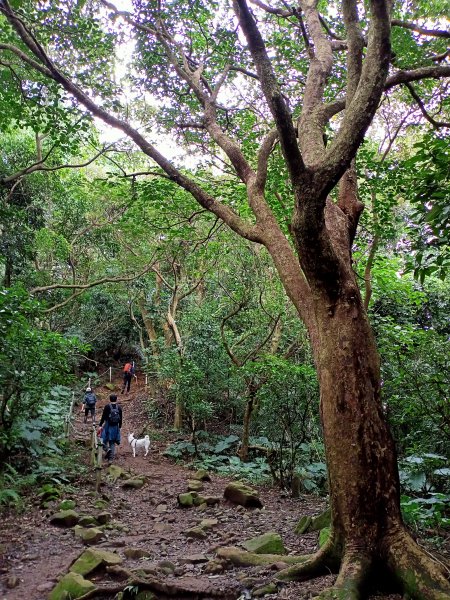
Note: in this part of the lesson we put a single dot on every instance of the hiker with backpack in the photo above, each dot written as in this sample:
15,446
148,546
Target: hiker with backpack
89,402
112,423
128,372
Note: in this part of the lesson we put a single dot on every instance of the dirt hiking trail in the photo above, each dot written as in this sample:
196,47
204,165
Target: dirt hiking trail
150,533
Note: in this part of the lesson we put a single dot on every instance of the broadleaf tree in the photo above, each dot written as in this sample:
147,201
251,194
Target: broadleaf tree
280,97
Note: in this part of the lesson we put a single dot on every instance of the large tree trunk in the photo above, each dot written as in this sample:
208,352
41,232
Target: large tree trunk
367,529
360,451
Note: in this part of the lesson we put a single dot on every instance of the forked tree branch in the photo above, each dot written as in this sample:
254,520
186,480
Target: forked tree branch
206,97
310,128
81,290
423,110
398,78
279,12
234,359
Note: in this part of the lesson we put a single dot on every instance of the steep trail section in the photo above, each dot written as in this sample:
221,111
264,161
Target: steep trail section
149,531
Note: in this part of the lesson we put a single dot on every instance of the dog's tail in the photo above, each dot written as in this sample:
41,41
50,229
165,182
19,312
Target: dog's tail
146,437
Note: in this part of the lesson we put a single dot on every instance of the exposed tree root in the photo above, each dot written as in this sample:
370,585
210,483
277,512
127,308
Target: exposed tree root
178,590
242,558
421,577
313,565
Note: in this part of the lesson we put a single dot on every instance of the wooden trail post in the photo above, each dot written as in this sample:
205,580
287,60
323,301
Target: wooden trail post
96,457
110,374
69,417
98,467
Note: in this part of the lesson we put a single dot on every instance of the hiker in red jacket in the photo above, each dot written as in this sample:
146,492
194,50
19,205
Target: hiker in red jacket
128,372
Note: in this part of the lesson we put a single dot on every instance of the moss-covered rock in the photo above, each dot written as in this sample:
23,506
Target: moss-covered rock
201,475
270,588
208,523
92,559
136,553
324,536
209,500
48,493
65,518
104,517
214,567
186,500
72,585
303,525
115,472
90,535
307,523
194,485
240,493
168,565
197,533
87,521
268,543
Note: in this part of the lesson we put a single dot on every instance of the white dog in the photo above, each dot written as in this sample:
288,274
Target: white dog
142,443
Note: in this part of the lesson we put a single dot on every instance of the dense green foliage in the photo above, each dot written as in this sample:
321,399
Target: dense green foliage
34,364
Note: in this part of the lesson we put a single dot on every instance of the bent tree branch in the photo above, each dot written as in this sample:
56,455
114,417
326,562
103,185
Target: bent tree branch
81,288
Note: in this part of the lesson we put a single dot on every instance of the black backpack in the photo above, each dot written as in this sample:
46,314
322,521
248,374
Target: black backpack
114,415
90,399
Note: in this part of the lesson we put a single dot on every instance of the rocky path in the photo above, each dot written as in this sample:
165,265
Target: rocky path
151,535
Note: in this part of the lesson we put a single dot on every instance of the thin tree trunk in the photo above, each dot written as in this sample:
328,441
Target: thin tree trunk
178,418
243,450
149,327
